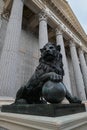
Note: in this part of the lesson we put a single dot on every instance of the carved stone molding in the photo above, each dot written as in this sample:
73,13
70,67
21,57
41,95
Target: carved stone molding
42,16
59,31
72,44
80,50
23,0
7,8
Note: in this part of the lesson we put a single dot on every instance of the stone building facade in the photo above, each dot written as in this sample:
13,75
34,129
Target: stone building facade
25,27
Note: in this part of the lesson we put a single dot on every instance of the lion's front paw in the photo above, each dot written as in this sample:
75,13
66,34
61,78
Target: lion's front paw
75,100
55,77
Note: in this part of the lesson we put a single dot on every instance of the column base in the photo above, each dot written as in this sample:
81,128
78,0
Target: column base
85,103
6,100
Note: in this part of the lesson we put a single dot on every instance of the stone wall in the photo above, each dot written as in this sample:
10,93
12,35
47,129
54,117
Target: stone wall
28,55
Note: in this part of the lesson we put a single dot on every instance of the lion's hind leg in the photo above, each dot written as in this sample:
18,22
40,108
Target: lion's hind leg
20,99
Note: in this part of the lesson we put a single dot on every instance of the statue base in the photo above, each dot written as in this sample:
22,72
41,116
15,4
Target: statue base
49,110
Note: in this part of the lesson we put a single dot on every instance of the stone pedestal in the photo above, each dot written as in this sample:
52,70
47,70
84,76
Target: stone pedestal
49,110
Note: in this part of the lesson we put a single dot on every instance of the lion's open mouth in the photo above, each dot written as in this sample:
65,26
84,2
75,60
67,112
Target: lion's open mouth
49,56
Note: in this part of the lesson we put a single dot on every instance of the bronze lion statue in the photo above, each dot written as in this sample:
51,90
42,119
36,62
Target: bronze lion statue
46,84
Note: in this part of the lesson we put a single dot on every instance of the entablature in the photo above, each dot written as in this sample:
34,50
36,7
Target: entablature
62,8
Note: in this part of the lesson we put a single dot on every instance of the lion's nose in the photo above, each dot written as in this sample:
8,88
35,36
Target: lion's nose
47,50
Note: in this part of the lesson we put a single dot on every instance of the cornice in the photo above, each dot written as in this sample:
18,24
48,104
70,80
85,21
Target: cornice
76,22
62,7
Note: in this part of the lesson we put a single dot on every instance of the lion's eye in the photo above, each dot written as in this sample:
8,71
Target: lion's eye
51,47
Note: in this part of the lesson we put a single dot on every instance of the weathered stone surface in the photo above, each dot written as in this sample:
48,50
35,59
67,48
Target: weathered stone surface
43,34
50,110
77,71
83,67
9,58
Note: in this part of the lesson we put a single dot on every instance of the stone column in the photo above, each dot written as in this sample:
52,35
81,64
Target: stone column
83,67
43,33
9,57
59,39
77,72
1,10
86,58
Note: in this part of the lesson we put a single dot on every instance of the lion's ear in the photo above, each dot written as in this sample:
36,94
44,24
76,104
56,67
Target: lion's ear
58,47
41,50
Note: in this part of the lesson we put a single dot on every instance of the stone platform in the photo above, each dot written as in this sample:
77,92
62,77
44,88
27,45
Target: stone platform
49,110
12,121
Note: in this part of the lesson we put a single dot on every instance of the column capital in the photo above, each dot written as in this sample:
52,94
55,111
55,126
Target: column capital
42,16
80,50
59,30
23,1
72,44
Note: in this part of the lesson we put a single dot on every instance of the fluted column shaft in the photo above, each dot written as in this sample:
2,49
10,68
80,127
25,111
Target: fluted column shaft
77,72
43,32
9,57
83,67
1,10
86,58
59,39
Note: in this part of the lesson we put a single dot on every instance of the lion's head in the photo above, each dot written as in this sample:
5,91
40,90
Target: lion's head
51,58
50,51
